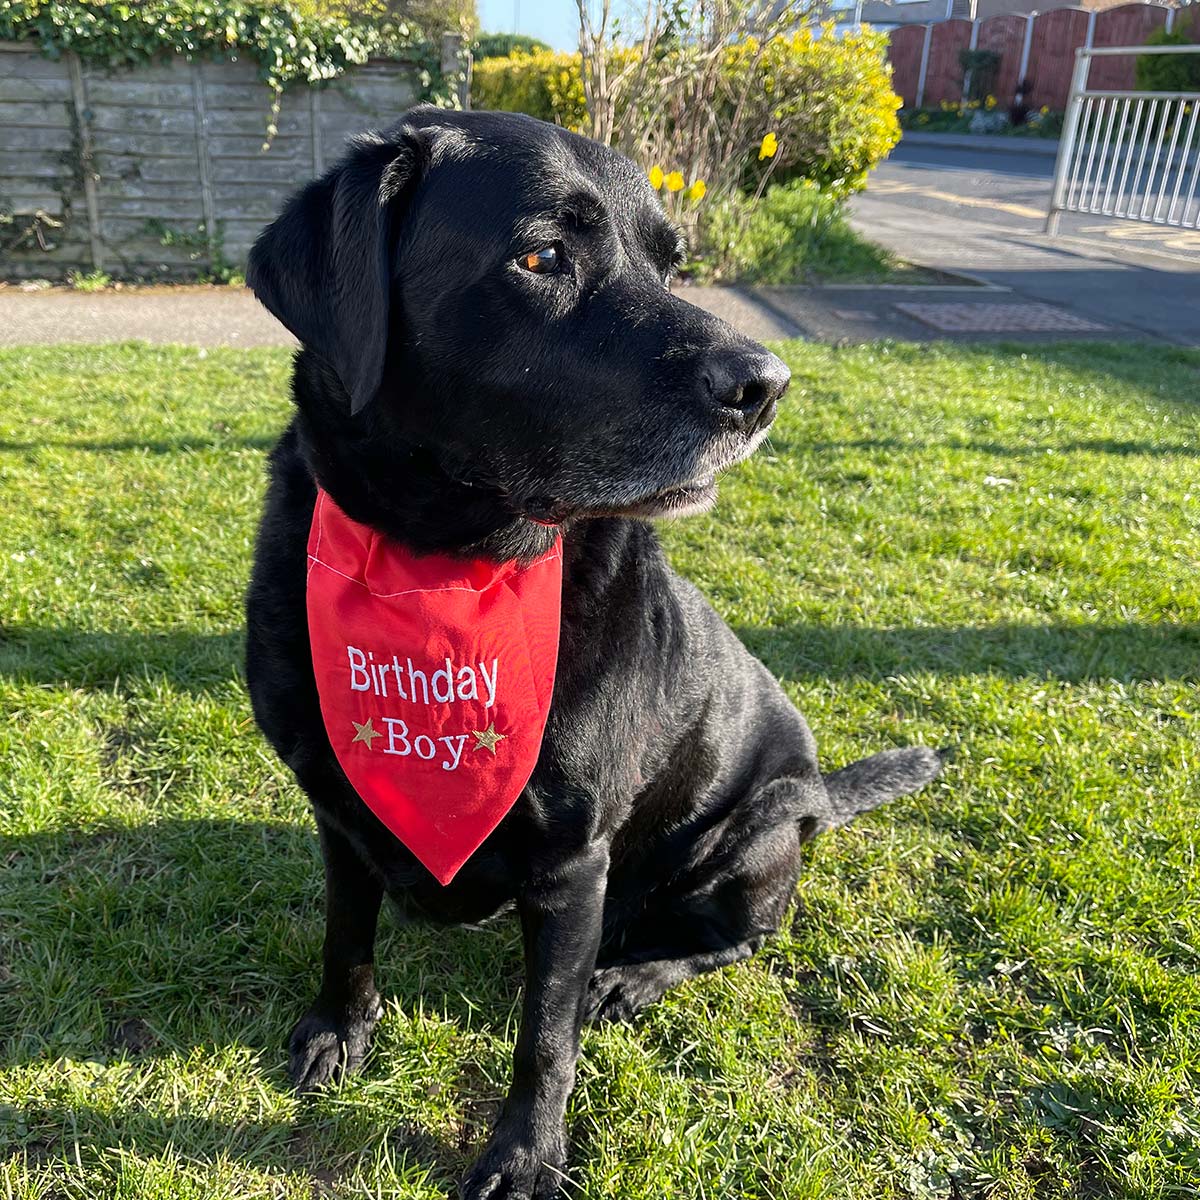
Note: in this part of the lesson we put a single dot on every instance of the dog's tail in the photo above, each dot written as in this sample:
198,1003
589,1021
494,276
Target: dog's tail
873,781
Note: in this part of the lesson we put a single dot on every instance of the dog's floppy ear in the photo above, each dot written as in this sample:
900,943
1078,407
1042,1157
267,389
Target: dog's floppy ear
323,266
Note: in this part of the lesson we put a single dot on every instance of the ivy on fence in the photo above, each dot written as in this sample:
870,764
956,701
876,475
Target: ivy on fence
288,45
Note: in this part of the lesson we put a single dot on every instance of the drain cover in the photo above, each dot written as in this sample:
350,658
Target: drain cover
1000,318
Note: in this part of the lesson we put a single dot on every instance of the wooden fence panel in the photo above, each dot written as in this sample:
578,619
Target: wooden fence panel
905,47
1056,36
944,76
1128,25
1004,35
42,206
161,171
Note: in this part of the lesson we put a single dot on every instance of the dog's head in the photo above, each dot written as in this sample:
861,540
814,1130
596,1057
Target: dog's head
493,289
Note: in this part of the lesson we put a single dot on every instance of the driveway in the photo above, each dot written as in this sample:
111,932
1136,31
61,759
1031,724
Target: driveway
981,211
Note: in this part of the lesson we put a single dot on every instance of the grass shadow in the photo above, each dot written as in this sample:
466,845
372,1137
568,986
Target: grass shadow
1074,653
154,941
142,445
94,659
893,445
1071,652
225,913
303,1145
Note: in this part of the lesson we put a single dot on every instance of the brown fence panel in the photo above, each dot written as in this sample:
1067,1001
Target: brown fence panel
1056,36
1129,25
904,53
943,79
1006,36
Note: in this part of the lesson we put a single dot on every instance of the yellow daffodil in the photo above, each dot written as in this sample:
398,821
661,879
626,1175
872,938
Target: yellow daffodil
674,182
768,147
696,191
656,177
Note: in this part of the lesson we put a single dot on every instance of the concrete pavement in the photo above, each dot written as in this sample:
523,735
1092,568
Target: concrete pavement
196,316
232,317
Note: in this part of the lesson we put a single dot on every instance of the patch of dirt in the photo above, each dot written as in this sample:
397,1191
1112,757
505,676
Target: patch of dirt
134,1036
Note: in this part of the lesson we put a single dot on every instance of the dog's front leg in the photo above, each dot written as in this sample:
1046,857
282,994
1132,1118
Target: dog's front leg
561,914
334,1035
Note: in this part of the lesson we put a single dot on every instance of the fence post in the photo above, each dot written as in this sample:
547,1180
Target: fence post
314,129
1070,133
200,120
1026,50
91,195
456,60
924,71
972,45
1091,29
1170,25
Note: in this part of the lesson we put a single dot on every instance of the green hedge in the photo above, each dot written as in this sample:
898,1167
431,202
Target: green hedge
794,233
501,45
1169,72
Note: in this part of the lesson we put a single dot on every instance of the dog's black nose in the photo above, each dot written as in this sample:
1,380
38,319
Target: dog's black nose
749,382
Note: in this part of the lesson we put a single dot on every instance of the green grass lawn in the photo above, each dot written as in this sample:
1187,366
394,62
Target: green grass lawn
987,990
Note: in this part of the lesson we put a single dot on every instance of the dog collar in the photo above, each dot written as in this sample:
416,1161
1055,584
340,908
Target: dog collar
435,676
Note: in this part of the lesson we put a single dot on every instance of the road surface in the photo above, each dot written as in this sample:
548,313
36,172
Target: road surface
981,212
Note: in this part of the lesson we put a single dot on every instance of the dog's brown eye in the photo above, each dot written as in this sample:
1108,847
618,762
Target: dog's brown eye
541,262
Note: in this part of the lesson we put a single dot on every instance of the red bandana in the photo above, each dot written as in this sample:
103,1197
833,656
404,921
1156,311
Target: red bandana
435,676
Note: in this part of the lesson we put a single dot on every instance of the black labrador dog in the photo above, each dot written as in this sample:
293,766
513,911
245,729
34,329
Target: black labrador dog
492,355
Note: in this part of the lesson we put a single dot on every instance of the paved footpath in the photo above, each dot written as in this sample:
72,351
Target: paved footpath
220,316
197,316
232,317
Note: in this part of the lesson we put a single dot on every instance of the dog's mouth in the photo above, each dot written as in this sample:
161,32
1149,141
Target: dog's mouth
686,499
681,500
699,494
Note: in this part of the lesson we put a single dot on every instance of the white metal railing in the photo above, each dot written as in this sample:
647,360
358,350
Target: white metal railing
1133,155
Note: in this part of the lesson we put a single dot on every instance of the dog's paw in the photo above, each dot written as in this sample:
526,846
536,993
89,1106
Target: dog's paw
620,993
325,1046
512,1168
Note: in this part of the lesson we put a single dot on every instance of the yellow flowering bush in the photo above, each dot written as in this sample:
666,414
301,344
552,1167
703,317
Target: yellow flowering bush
544,84
824,103
828,100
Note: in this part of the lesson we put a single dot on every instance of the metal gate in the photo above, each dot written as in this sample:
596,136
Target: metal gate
1133,155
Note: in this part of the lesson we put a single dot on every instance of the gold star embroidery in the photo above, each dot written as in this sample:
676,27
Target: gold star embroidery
365,733
486,739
